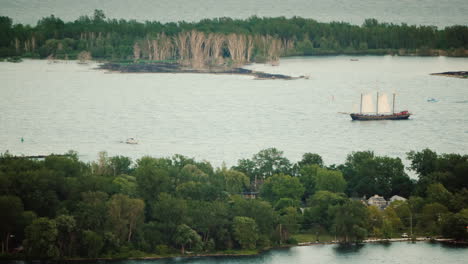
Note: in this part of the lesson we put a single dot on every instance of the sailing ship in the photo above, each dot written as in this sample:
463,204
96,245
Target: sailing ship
382,110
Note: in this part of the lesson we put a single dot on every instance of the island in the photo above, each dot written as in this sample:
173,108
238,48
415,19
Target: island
218,45
454,74
165,67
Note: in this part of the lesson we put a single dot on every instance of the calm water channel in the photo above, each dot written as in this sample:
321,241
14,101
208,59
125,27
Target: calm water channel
56,107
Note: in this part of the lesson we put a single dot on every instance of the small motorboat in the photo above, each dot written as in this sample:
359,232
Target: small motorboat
432,100
131,141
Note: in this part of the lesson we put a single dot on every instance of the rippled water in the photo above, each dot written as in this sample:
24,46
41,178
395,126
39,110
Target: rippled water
427,12
61,106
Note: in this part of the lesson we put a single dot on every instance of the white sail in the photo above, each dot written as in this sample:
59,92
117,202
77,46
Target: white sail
355,108
384,107
367,104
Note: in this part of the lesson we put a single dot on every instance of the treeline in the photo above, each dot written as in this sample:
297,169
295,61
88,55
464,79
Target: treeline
255,38
61,207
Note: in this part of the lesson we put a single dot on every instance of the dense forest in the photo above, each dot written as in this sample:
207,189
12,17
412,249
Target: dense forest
221,40
61,207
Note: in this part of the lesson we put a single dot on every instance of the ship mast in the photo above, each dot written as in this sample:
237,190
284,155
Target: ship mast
360,106
393,110
377,106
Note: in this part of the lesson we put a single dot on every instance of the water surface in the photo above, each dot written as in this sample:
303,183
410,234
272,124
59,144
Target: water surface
394,253
61,106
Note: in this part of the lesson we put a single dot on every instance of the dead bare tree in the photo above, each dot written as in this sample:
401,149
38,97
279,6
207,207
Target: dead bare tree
217,42
250,46
165,47
26,45
274,51
84,56
182,44
33,43
237,48
150,49
17,45
197,40
207,49
136,51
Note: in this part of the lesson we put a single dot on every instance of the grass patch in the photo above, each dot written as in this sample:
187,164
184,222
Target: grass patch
237,252
312,237
131,62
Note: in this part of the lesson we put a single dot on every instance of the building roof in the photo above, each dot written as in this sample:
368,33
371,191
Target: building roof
397,198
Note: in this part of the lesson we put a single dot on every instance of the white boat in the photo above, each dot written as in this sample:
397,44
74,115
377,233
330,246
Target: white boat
131,141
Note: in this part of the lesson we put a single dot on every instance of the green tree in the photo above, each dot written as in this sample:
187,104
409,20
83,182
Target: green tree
169,212
26,218
191,172
367,174
319,205
432,217
286,202
310,159
375,221
424,162
91,213
6,32
261,211
264,164
281,186
245,232
393,220
436,193
66,228
92,243
151,179
234,181
11,209
289,220
454,226
185,235
120,165
329,180
125,214
271,161
41,237
307,176
126,184
350,221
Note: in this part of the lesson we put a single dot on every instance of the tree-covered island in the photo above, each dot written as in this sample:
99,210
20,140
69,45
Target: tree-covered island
218,45
63,208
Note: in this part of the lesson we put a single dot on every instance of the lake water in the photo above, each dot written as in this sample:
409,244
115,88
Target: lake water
56,107
395,253
426,12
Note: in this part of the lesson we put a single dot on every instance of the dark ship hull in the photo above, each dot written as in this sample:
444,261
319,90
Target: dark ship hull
368,117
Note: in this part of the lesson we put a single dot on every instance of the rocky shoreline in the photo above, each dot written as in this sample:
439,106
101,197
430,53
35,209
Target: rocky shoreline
162,67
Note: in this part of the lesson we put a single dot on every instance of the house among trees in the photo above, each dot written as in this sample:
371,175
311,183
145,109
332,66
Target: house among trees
396,198
250,195
377,201
381,203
